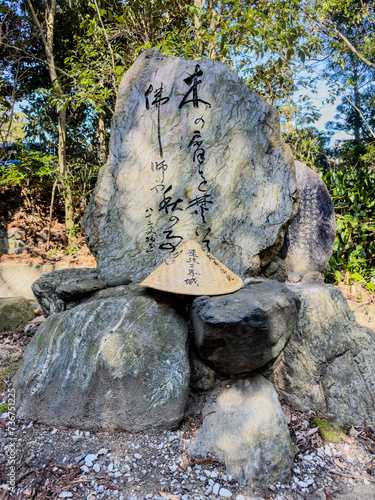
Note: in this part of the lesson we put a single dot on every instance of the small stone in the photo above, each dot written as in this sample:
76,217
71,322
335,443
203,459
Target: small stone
88,463
77,438
102,451
216,488
84,468
137,456
225,493
240,497
302,484
327,451
54,431
117,474
65,494
96,467
91,458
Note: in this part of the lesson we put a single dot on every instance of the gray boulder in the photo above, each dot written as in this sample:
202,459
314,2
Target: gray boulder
119,362
308,243
14,313
249,430
242,331
45,288
329,362
194,154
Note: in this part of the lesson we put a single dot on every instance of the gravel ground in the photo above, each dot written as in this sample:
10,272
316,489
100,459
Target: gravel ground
45,462
69,463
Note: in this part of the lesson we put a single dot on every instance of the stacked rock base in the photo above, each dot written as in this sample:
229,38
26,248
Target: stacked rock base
123,359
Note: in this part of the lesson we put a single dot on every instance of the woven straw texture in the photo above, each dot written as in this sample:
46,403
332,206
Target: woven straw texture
192,270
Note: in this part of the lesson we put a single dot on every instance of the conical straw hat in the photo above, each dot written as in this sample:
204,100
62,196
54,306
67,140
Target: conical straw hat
192,270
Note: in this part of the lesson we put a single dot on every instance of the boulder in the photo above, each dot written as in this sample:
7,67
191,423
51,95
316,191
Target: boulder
243,331
328,364
45,288
276,270
119,362
194,154
249,430
14,313
308,243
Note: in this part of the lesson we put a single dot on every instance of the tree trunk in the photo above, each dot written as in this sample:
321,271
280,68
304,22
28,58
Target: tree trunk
47,38
102,145
357,117
63,170
288,113
197,25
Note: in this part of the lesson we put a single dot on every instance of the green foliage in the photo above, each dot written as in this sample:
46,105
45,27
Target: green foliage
35,168
353,194
308,145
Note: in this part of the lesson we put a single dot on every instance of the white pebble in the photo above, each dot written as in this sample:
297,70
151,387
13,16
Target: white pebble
91,458
54,431
216,488
137,456
88,463
240,497
225,493
84,468
65,494
327,451
302,484
117,474
110,467
96,468
102,451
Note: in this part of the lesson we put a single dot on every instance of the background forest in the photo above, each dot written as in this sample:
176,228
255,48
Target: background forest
61,62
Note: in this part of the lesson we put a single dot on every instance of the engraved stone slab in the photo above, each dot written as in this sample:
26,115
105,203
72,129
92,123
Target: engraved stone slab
309,241
194,154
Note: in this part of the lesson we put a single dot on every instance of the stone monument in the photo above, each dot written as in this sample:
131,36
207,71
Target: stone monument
195,155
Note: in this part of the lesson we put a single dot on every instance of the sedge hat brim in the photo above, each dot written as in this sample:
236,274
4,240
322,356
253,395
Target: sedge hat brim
192,270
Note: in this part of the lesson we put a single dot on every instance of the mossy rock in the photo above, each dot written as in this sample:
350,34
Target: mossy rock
14,313
330,430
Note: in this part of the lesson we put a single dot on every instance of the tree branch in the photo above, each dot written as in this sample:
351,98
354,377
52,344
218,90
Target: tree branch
106,36
351,46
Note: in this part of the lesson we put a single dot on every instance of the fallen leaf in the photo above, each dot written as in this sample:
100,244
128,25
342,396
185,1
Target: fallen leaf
339,464
185,461
169,496
353,432
346,440
287,413
312,431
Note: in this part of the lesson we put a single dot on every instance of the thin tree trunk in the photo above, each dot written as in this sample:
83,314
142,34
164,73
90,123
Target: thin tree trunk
102,145
288,113
197,25
357,117
50,15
